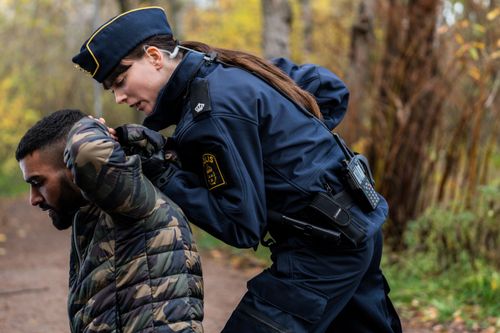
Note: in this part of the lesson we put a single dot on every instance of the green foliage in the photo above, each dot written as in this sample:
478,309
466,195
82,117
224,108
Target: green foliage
450,269
460,293
12,183
207,243
450,234
15,119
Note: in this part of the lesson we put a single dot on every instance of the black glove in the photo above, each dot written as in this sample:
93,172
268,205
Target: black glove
157,164
140,140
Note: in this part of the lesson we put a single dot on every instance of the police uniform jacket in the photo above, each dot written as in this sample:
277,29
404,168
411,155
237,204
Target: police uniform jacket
246,148
134,266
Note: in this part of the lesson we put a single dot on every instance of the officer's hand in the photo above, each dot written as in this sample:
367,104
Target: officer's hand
137,139
157,165
157,169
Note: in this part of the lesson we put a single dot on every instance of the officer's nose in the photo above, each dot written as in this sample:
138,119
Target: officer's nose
120,97
35,197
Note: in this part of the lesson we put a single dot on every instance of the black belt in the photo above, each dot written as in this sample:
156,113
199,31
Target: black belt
327,217
301,228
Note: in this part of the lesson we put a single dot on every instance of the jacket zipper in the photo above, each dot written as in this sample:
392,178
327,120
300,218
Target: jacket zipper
75,243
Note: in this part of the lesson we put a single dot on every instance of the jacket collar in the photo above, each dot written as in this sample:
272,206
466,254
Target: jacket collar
167,110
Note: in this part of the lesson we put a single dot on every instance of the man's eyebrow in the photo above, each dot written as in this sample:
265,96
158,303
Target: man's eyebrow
32,179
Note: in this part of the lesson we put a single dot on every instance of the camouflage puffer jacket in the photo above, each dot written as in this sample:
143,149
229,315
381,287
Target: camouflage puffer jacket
134,265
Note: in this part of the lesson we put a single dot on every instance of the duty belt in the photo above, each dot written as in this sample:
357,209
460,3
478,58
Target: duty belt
302,228
327,217
333,210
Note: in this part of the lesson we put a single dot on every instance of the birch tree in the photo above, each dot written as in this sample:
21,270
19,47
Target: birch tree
277,25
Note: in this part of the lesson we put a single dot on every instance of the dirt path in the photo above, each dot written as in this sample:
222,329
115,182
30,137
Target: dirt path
33,275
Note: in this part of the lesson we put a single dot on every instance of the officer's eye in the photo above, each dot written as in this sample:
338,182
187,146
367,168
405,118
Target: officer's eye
117,84
120,81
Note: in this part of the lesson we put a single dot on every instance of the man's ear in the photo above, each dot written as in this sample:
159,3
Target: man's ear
155,57
70,177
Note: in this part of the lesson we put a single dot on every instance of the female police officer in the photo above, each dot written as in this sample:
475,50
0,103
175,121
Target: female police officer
256,157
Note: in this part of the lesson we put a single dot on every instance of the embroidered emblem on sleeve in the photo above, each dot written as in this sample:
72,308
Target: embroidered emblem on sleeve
212,172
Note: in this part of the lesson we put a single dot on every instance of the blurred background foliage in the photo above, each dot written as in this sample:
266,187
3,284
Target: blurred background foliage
424,80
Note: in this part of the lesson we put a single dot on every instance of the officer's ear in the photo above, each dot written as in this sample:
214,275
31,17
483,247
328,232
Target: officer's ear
155,56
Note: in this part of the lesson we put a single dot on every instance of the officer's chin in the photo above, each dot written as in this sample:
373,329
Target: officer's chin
61,221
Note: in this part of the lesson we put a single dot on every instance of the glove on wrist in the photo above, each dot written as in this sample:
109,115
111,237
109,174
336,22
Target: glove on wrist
158,170
149,145
140,140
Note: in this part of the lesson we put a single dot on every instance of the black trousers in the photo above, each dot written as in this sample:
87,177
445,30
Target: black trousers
318,288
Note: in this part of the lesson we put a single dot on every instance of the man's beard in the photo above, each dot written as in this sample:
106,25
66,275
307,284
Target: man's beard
69,202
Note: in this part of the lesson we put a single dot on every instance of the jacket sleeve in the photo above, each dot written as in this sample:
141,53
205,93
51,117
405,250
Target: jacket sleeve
224,191
107,177
330,92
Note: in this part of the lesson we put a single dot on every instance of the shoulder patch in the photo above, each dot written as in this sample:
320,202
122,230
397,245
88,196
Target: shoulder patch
212,172
199,97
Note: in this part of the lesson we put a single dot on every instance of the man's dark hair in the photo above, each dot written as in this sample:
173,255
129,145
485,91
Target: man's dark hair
50,130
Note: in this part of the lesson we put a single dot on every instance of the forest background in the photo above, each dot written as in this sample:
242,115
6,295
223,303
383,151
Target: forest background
425,109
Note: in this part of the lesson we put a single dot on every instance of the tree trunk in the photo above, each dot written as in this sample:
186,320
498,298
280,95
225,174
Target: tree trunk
359,78
277,25
126,5
307,21
176,17
97,86
410,110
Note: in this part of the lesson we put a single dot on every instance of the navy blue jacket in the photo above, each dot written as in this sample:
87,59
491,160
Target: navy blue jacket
245,148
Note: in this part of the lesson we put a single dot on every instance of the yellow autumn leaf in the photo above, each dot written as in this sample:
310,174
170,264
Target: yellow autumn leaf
15,119
479,28
493,14
479,45
475,73
459,39
217,254
495,55
3,238
430,313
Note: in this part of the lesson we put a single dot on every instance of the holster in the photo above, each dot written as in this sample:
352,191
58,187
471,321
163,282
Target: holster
327,217
333,211
303,228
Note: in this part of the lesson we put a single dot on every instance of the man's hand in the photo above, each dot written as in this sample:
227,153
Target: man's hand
111,130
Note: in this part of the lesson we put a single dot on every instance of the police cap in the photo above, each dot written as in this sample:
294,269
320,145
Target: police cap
111,42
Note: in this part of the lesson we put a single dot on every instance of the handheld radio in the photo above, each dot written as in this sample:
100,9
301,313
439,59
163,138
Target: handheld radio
358,177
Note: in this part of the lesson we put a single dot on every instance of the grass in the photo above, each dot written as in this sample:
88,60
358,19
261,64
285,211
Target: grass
207,243
12,184
459,294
